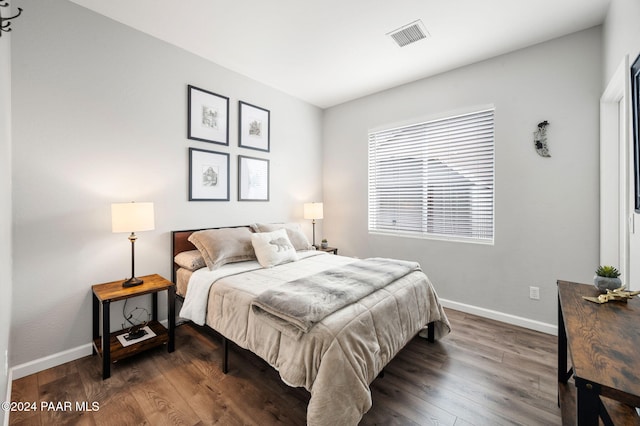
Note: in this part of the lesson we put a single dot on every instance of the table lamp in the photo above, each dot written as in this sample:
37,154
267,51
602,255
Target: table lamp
313,211
132,217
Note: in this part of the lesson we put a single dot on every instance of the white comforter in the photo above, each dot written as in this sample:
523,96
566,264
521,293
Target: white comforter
342,354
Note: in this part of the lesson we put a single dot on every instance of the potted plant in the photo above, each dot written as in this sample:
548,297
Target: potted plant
606,278
324,243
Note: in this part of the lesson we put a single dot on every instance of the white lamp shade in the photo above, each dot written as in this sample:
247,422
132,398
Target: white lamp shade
313,211
132,217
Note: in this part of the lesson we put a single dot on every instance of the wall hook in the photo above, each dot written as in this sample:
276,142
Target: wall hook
4,26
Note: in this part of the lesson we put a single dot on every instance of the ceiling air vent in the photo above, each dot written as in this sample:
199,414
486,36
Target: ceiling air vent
409,33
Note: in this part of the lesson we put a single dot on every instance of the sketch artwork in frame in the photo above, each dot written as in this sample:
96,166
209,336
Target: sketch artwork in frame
208,116
208,175
253,179
254,128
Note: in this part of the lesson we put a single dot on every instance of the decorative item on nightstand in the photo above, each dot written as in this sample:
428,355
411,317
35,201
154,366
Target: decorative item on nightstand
132,217
606,278
313,211
324,244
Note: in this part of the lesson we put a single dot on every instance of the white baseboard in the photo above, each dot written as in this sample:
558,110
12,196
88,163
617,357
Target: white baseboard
500,316
59,358
37,365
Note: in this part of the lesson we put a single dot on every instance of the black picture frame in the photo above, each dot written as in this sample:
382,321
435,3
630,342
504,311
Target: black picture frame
635,100
253,179
207,116
208,175
254,127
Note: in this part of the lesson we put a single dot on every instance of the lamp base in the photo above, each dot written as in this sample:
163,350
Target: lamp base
132,282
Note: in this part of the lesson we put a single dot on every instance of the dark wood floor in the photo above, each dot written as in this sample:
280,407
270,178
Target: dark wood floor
483,373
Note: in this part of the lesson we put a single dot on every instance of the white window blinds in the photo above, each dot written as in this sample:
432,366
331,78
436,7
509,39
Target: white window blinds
434,179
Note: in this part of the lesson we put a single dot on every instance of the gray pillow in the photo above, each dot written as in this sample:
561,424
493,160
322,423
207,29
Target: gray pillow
294,232
191,260
225,245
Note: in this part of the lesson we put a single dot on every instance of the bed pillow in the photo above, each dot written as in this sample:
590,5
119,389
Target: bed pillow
294,232
191,260
273,248
225,245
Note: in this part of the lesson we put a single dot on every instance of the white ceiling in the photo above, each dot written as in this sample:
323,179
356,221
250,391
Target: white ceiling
333,51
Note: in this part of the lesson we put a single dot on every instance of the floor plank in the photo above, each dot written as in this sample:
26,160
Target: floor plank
484,373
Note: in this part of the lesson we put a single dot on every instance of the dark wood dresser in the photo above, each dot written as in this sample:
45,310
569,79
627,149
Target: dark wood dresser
603,341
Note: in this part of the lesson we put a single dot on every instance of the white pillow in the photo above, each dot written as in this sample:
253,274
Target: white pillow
273,248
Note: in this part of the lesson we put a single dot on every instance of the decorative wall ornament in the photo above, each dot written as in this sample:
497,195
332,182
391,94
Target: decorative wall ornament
4,27
540,139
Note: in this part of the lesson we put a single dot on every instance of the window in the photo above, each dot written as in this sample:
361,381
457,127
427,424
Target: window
434,179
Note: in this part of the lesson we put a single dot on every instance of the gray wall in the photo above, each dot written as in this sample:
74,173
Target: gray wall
546,209
5,209
99,116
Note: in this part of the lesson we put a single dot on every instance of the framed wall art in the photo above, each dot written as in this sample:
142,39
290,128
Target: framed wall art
254,127
253,179
208,175
208,116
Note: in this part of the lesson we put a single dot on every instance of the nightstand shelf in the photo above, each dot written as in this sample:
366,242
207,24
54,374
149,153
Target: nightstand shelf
118,352
333,250
107,345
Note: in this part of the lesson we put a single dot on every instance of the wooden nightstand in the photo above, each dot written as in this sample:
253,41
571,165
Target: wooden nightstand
333,250
108,345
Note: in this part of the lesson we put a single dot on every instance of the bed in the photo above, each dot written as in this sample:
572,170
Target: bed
228,283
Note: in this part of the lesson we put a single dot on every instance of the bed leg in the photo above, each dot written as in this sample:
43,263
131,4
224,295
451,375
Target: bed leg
225,355
431,332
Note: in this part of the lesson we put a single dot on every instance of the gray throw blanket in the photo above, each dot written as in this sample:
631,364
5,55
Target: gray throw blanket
294,307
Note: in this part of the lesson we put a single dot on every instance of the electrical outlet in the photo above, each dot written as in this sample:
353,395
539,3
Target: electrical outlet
534,293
